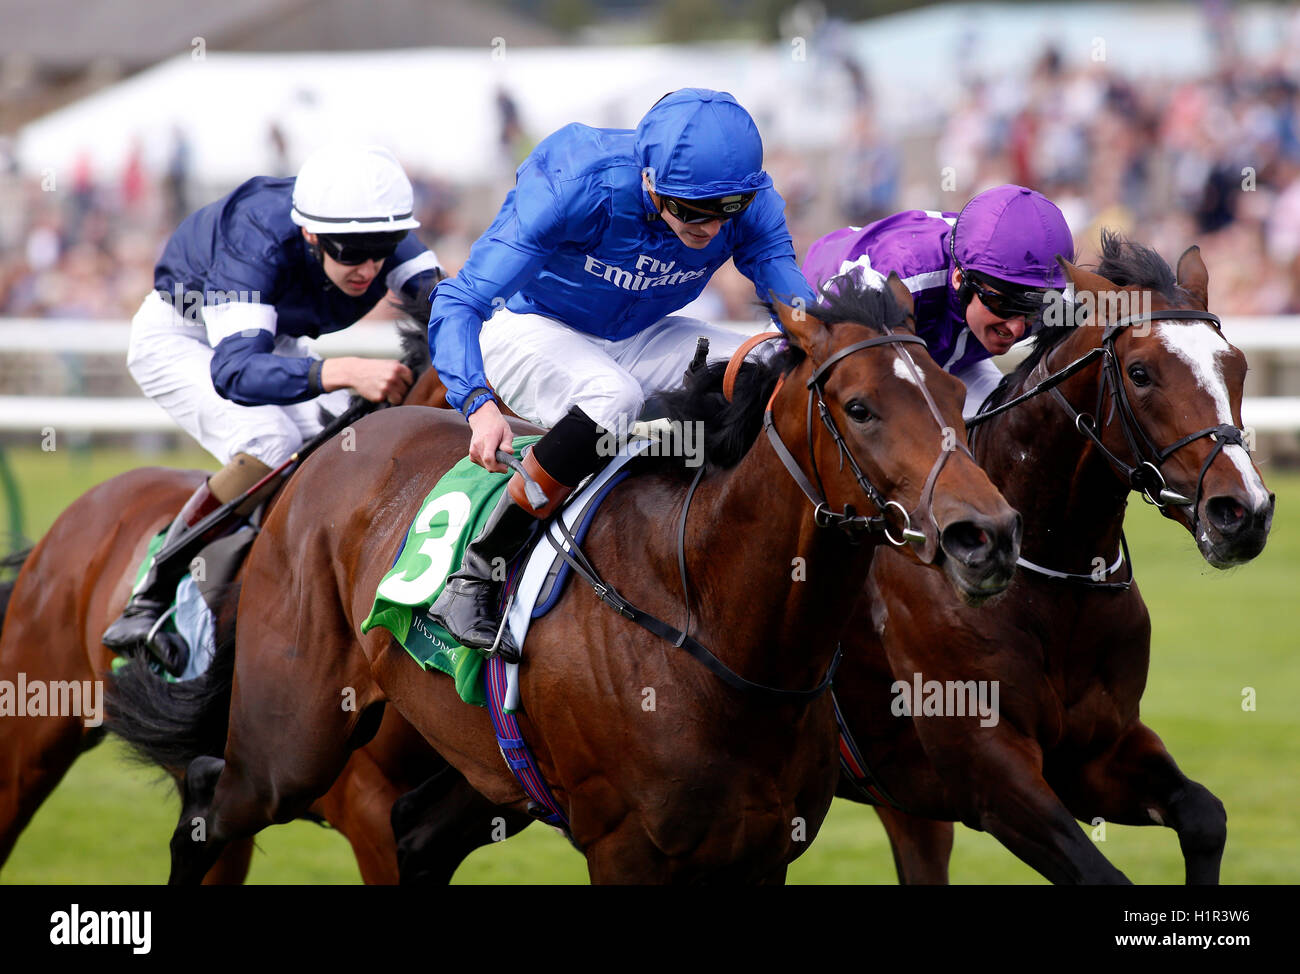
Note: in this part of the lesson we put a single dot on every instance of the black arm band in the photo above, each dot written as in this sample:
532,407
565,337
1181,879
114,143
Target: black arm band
314,381
475,394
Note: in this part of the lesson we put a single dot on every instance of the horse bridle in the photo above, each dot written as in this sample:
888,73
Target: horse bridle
848,520
1144,475
824,516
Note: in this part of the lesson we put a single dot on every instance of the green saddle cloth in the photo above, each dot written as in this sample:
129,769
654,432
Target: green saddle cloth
449,519
155,545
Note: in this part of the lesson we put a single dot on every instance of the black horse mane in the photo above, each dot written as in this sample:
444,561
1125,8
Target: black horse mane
852,300
1129,264
168,725
730,428
413,330
1124,263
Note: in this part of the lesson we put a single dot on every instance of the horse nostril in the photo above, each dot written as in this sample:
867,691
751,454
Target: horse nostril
1226,514
967,541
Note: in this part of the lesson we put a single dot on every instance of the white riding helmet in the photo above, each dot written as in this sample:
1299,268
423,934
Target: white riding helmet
353,189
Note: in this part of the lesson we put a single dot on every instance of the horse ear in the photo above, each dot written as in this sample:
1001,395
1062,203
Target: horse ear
1194,277
904,298
805,330
1086,282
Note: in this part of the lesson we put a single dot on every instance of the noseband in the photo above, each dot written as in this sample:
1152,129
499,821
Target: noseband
849,520
1144,475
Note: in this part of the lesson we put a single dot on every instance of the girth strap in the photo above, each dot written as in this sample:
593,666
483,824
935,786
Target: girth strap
854,766
519,758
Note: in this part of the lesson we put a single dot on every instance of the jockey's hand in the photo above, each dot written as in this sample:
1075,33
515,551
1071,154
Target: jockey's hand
489,432
370,378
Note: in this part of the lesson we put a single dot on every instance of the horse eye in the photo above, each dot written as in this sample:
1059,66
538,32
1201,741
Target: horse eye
857,412
1138,374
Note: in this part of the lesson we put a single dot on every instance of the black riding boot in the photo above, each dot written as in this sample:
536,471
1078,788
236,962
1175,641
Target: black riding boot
467,607
130,632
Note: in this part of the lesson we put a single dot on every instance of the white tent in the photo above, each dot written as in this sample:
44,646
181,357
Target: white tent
436,106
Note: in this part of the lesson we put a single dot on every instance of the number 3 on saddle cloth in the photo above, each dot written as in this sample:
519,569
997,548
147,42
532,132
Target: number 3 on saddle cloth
451,517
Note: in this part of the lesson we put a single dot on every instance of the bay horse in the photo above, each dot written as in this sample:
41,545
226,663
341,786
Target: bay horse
74,582
707,782
1071,654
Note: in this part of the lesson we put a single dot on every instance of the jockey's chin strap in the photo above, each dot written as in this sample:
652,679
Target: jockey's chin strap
848,520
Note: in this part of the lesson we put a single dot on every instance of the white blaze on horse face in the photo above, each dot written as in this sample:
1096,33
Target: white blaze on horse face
1201,347
911,372
903,372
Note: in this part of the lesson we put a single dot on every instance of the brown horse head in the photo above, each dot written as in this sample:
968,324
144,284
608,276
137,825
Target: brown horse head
1172,387
884,426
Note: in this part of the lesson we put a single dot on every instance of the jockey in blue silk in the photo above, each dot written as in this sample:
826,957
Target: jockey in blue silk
564,309
979,278
219,342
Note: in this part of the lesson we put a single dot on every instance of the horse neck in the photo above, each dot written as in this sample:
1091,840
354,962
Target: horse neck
752,534
1071,499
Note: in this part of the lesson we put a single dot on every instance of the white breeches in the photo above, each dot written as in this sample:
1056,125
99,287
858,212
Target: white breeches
539,367
170,359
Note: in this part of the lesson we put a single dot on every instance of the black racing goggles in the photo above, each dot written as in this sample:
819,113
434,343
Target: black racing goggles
702,211
351,249
1010,302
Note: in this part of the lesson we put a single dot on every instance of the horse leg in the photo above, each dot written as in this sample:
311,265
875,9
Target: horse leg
194,851
921,847
287,741
1137,782
232,864
37,753
440,823
359,805
1013,802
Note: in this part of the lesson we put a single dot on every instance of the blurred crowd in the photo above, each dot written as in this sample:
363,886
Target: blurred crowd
1214,160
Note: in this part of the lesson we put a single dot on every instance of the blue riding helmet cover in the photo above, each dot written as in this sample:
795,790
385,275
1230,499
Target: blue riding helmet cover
699,144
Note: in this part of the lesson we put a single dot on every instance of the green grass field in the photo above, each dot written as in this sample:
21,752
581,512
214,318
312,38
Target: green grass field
1215,633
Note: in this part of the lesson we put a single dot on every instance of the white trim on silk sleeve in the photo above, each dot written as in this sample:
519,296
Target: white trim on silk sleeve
403,272
981,378
232,317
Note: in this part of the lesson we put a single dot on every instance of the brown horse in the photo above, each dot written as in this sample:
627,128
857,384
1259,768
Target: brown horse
707,782
1070,655
73,583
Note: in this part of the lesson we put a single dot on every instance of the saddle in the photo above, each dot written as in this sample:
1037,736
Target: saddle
534,582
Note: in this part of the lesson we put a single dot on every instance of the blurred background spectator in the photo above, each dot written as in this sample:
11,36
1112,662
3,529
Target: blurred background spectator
1210,158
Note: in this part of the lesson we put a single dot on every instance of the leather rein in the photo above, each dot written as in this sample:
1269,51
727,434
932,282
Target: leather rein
848,520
